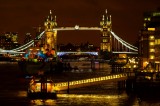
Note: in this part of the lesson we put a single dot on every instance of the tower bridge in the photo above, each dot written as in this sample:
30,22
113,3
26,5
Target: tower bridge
46,41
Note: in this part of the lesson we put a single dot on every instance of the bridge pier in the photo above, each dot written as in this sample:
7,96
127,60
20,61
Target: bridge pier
92,64
130,84
121,85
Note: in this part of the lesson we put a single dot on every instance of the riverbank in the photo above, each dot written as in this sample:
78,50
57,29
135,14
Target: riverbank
13,91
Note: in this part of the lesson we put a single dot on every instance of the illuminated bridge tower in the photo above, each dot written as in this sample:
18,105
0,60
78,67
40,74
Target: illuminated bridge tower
50,38
106,37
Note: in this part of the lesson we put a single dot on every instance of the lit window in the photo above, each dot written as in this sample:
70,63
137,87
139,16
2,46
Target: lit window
105,40
151,29
145,19
151,43
104,34
151,37
152,50
149,19
156,14
151,56
157,41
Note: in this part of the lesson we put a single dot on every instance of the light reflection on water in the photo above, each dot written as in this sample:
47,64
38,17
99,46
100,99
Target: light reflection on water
98,99
21,94
43,102
88,99
85,99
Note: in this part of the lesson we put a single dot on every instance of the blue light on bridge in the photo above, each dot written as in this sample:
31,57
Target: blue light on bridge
64,53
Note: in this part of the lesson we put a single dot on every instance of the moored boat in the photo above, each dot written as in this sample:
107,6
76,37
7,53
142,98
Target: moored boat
41,88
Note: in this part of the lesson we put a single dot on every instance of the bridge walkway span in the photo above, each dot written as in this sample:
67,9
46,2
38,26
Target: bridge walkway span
90,81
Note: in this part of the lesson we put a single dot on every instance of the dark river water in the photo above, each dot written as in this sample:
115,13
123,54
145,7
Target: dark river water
18,98
13,92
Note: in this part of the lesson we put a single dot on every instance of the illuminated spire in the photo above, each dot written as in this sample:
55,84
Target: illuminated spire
103,18
55,18
50,11
110,18
106,11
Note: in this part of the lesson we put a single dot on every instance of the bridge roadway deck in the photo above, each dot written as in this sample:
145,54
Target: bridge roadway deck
90,81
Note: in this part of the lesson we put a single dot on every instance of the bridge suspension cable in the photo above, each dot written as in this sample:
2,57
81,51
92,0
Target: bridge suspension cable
27,45
21,47
124,43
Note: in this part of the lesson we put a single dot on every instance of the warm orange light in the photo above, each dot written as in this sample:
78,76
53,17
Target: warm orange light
151,29
152,57
38,87
151,37
49,87
151,43
52,52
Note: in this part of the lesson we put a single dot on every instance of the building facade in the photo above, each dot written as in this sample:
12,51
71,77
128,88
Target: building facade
149,39
28,38
9,40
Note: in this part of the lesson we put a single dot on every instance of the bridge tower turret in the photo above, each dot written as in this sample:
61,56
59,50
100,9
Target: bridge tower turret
50,38
106,37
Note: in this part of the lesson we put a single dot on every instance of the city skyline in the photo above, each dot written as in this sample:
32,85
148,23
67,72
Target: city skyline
127,17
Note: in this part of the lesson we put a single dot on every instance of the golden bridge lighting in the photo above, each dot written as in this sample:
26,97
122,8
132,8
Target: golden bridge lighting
84,82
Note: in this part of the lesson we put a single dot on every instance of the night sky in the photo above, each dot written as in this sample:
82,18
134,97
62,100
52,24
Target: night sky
127,17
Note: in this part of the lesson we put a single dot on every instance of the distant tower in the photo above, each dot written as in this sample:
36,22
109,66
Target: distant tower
38,31
50,39
28,37
106,37
14,37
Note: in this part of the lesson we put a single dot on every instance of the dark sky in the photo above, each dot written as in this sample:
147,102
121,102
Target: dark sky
127,17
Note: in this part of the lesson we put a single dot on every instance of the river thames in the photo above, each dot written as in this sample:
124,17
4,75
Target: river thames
13,92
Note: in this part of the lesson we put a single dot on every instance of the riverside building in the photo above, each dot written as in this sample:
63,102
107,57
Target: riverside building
9,40
149,40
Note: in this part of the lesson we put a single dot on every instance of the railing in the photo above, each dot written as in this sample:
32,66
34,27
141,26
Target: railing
73,84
